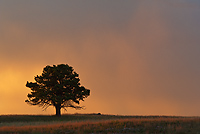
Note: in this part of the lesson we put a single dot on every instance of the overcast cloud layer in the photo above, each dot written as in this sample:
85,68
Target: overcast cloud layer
137,57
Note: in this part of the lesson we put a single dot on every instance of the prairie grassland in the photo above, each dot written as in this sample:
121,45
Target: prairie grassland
100,124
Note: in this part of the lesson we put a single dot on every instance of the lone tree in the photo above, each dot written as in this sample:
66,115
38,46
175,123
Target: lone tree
58,86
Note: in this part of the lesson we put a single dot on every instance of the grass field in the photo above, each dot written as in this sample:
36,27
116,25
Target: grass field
98,124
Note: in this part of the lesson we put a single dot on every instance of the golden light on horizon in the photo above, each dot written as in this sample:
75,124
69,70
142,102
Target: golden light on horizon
136,57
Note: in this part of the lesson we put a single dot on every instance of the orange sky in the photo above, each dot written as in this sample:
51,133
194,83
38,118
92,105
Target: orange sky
136,57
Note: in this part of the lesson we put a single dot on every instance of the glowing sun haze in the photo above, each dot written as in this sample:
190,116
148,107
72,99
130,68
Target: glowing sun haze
138,57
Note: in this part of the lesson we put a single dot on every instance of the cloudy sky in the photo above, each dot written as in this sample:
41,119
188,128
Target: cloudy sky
138,57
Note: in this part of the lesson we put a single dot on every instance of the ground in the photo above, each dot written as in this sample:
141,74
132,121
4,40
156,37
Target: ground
98,124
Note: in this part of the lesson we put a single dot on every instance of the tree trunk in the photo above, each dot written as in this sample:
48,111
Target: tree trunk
58,110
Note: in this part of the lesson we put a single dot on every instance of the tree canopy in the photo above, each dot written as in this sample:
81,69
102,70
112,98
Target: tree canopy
58,86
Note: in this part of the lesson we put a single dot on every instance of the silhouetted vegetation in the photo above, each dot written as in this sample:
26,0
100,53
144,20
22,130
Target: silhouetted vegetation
58,86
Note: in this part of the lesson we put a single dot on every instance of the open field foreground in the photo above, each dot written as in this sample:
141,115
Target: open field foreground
98,124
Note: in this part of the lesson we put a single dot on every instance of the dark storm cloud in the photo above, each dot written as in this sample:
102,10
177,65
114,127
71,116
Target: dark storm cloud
31,23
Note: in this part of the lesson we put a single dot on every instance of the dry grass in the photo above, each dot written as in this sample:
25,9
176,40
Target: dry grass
161,125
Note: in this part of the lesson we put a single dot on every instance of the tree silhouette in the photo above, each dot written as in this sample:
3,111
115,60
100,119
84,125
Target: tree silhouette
58,86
